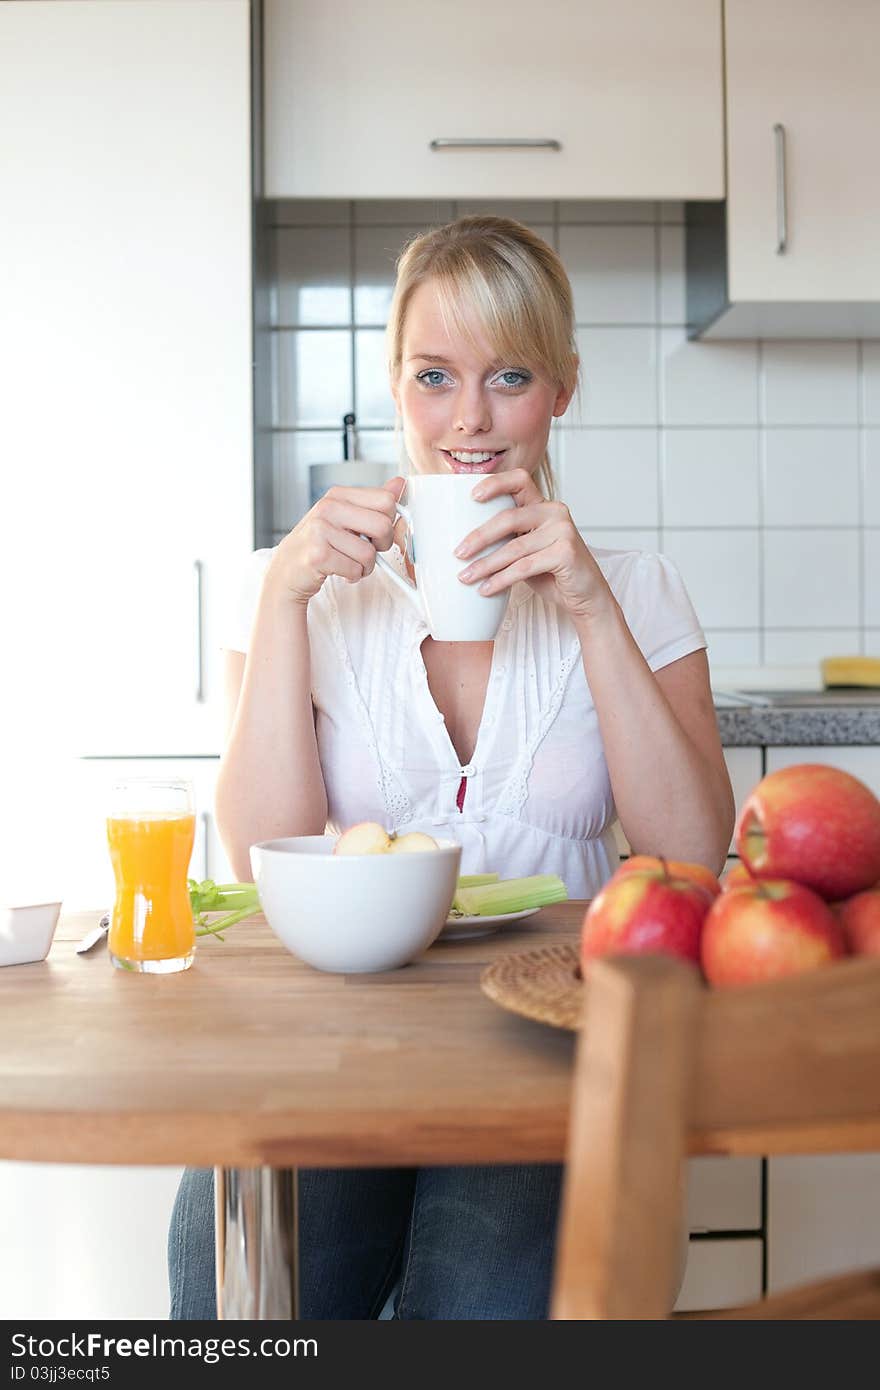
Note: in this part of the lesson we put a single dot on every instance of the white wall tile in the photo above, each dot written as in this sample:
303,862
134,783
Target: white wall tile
800,647
871,383
383,446
612,273
733,648
872,641
619,377
390,212
673,293
720,571
871,442
374,404
311,377
610,210
707,383
810,383
811,477
622,538
710,477
375,255
608,477
872,577
311,279
811,578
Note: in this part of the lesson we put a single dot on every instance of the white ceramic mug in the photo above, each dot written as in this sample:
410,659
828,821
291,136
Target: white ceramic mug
440,511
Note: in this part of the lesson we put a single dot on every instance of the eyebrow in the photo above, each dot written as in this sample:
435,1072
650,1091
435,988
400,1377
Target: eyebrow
427,357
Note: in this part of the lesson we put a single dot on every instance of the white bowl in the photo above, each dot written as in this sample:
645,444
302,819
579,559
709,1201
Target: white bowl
354,912
26,932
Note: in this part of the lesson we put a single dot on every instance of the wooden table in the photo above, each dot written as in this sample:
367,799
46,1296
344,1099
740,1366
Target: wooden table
255,1064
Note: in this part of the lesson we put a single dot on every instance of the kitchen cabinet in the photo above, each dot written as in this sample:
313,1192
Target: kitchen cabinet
801,226
720,1274
88,876
126,359
602,99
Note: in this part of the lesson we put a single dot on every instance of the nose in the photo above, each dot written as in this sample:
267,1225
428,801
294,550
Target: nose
473,415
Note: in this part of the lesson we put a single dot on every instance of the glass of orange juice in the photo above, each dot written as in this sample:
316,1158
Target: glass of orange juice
150,832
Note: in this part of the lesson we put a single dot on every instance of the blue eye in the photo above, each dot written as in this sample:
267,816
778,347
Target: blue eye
432,377
512,378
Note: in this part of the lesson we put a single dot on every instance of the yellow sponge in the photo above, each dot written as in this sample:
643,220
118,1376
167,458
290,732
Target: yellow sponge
851,670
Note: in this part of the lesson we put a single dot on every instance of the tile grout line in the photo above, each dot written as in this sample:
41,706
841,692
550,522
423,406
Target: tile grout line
660,437
862,476
761,412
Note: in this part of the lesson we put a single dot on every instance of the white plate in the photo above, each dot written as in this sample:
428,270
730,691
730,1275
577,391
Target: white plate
482,926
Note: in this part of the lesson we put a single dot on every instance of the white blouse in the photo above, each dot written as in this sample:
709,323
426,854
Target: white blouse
538,796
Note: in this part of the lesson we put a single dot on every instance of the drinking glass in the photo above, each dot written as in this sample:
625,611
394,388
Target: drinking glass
150,833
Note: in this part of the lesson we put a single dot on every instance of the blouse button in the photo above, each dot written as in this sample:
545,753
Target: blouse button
468,771
506,625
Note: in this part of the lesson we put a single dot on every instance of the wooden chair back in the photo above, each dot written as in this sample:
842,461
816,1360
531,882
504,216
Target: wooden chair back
667,1068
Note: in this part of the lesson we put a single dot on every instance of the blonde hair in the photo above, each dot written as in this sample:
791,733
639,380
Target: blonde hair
499,273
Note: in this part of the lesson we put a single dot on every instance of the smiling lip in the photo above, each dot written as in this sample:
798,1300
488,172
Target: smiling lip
487,466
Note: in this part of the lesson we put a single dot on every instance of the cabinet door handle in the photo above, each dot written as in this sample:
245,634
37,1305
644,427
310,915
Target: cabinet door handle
489,144
203,821
781,210
197,626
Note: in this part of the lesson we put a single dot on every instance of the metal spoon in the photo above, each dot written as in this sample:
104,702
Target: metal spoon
92,937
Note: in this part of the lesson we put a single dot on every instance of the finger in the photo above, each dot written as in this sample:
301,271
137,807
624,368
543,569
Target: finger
517,482
378,499
508,554
395,486
511,521
362,521
541,561
357,548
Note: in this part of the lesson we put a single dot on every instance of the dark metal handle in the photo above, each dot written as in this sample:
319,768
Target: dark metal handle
489,144
781,209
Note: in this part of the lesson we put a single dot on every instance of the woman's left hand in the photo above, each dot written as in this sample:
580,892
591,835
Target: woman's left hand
547,550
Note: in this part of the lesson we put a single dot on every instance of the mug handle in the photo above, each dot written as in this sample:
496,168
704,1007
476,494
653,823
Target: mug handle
410,590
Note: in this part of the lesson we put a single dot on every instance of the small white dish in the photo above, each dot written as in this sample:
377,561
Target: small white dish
482,926
26,932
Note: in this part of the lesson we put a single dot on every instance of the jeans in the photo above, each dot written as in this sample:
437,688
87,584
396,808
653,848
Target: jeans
473,1242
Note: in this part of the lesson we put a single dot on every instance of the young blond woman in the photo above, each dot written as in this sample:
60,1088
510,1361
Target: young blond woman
592,703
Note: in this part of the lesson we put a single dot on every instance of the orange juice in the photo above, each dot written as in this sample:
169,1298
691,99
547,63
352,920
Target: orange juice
152,923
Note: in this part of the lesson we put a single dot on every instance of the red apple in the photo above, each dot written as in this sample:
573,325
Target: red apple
678,868
815,824
646,910
764,930
860,918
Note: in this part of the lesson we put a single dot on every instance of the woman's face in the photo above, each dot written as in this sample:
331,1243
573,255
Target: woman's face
463,410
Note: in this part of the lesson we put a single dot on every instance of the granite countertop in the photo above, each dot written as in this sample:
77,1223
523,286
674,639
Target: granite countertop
824,721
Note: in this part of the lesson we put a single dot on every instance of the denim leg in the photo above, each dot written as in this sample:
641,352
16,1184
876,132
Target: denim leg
481,1243
352,1228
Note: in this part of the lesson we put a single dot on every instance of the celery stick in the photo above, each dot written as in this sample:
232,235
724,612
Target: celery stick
476,880
510,895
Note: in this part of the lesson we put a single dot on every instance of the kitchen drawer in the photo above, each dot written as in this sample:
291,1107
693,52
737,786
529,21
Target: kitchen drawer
723,1194
823,1217
720,1274
862,762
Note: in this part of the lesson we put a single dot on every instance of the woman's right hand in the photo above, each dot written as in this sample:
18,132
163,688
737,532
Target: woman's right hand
330,538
